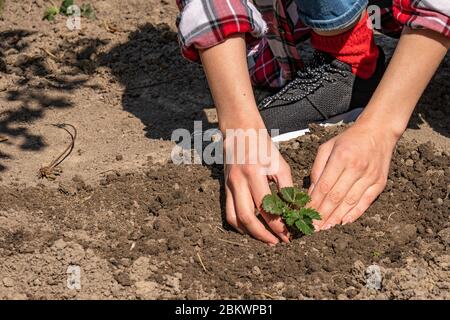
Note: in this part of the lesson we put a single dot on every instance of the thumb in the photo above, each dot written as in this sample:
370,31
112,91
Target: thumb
323,154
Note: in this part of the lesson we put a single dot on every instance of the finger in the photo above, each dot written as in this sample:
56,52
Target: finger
366,200
259,187
319,163
327,180
283,178
245,213
230,212
338,193
349,202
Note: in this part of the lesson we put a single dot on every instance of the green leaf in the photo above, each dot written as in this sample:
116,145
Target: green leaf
304,227
50,13
88,11
65,5
291,216
273,204
295,196
2,6
288,194
311,213
307,220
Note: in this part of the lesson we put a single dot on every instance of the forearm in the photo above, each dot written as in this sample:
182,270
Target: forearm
416,58
227,73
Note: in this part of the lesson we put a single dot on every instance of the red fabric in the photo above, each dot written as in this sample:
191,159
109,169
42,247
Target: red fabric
355,47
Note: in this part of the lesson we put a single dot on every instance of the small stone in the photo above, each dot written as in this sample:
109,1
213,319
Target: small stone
439,201
256,271
67,189
176,186
59,244
119,157
444,235
123,278
77,179
342,297
291,292
340,245
444,262
148,290
173,243
409,162
111,177
204,187
403,234
18,296
8,282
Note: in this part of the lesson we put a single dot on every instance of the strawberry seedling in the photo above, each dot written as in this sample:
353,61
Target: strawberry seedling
87,11
63,9
289,203
51,13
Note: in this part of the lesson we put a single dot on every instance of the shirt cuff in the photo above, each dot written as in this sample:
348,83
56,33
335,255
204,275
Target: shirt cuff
205,23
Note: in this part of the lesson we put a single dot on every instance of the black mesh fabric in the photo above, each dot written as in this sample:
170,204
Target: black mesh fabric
325,89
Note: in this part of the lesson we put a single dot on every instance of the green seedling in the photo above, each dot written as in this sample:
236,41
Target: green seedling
376,254
289,203
87,11
63,9
50,13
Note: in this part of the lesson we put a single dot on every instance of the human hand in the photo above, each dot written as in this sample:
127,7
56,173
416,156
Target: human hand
246,184
349,173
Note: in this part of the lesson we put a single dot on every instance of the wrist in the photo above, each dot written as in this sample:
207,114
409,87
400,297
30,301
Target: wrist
391,128
242,119
389,119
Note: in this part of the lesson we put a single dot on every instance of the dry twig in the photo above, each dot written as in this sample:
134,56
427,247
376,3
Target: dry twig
52,171
201,262
50,54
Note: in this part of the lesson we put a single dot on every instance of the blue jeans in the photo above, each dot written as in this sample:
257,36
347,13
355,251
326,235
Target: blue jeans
330,15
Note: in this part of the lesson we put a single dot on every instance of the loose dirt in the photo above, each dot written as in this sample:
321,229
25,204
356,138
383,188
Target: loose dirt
133,225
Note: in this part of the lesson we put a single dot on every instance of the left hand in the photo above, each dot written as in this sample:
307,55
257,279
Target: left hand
349,173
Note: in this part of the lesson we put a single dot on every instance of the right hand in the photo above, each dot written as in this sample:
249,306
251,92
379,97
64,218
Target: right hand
246,184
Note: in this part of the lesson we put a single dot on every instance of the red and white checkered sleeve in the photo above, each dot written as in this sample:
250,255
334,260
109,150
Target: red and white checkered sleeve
424,14
205,23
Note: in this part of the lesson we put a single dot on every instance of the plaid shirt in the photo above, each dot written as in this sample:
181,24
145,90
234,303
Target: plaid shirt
274,31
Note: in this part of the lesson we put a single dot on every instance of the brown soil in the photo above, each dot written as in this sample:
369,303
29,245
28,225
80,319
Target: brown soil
140,227
146,235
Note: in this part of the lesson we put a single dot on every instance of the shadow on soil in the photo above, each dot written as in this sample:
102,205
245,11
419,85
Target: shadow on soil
160,88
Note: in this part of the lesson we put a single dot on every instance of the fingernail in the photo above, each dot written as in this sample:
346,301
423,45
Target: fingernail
346,220
284,237
327,226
